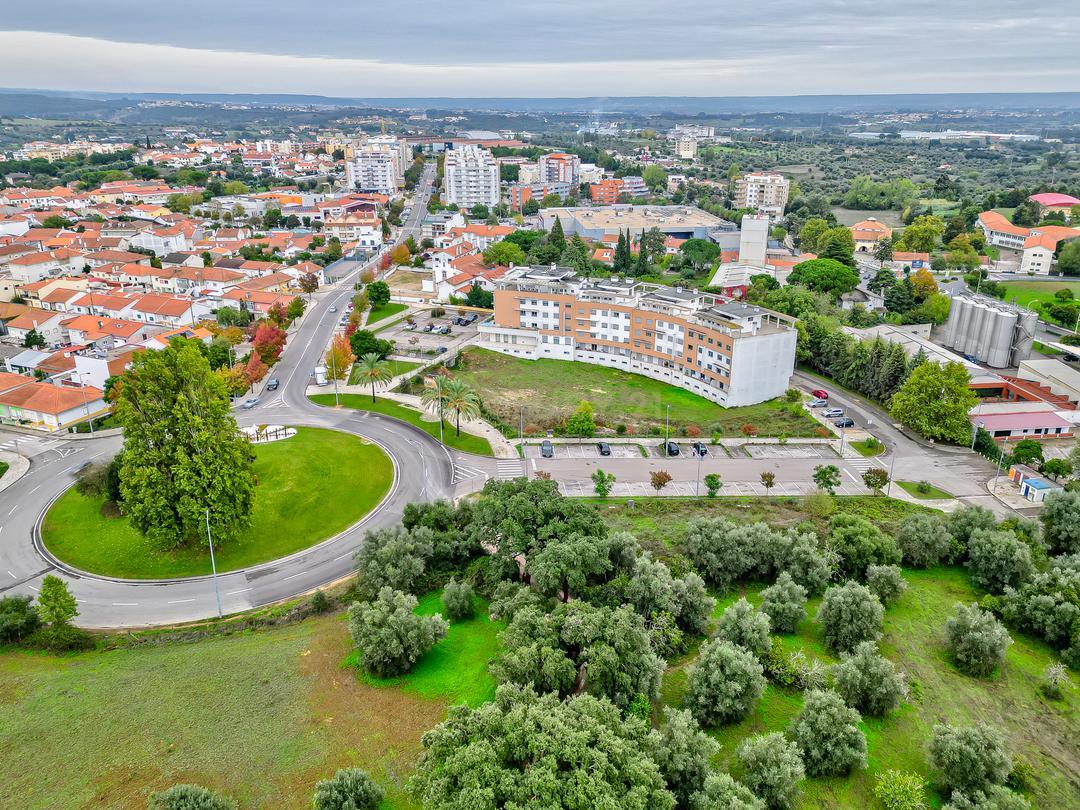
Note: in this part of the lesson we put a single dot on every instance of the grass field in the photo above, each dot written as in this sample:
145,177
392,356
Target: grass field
933,494
385,311
466,441
550,390
311,487
1025,293
3,468
396,367
865,448
1042,732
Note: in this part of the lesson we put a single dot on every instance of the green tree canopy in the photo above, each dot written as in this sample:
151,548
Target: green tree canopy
935,401
825,275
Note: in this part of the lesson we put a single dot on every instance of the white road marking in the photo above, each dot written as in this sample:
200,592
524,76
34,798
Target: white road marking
35,489
12,575
12,512
180,601
125,604
293,576
242,590
852,477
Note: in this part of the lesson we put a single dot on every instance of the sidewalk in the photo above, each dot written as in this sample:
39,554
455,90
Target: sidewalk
18,466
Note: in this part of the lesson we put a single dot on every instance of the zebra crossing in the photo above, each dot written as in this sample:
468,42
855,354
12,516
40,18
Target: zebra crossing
507,468
463,472
30,445
863,464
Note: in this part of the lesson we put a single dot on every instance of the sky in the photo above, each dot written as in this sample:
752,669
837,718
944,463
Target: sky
531,49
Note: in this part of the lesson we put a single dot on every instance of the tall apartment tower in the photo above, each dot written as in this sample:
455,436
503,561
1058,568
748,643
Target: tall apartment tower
372,170
470,177
559,167
765,191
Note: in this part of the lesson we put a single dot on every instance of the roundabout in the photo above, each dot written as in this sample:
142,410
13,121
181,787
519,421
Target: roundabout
311,487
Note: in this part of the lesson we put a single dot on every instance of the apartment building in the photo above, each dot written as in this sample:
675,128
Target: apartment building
1038,244
470,177
559,167
728,352
765,191
686,147
372,170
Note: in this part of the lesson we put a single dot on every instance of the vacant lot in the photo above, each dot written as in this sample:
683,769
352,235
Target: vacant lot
397,367
311,487
1042,732
1025,293
550,390
261,716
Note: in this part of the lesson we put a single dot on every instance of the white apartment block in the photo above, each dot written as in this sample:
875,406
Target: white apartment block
372,170
686,147
765,191
470,177
728,352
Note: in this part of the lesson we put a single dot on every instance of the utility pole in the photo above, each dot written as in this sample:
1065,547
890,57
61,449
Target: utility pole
667,423
697,480
521,441
892,463
438,385
213,565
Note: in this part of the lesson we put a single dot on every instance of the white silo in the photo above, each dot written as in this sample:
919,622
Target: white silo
979,314
963,318
1024,338
956,307
999,348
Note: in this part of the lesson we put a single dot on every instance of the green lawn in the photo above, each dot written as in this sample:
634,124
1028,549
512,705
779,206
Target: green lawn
361,402
550,390
311,487
1041,731
933,494
1025,293
385,311
1042,348
456,668
3,468
396,367
866,448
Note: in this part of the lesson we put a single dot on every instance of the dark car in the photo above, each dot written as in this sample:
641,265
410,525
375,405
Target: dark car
604,448
670,449
273,384
546,450
846,422
700,449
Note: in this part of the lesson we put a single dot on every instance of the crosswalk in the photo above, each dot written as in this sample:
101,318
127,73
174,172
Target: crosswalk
30,445
463,472
861,464
509,468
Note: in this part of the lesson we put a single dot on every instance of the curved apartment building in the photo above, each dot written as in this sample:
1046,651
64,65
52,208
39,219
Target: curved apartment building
728,352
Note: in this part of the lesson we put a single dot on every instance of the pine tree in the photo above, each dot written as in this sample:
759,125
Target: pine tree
557,239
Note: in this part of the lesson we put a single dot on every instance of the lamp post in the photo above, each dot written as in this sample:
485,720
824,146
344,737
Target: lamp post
843,431
521,441
438,386
667,423
213,564
697,479
892,463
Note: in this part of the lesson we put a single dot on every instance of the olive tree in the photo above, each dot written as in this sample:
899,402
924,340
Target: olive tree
800,555
970,758
784,602
924,540
724,551
850,614
1061,522
772,767
724,683
748,628
885,582
457,600
721,791
393,557
976,640
859,544
869,682
390,636
189,797
966,520
998,560
682,751
997,797
828,735
348,789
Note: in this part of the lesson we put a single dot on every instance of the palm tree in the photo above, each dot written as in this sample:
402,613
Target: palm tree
434,398
461,400
373,369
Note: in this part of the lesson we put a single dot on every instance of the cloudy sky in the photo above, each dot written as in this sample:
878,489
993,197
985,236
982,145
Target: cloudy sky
554,48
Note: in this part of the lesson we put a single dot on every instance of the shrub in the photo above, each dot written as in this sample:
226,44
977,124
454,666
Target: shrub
390,636
320,602
742,625
924,540
885,582
393,558
966,520
724,684
723,551
899,790
869,682
993,798
457,600
772,768
827,732
18,618
799,555
712,484
970,758
189,797
1061,522
850,614
682,751
92,481
1054,678
859,544
1048,606
349,789
998,560
976,640
721,791
784,602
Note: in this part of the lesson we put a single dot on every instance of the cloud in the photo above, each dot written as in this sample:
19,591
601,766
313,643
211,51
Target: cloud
558,48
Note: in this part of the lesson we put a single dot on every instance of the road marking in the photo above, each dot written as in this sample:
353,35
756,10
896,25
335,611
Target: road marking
293,576
852,477
35,489
343,556
12,575
242,590
12,512
125,604
180,601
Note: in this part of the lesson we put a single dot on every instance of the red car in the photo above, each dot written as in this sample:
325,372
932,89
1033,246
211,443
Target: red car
820,393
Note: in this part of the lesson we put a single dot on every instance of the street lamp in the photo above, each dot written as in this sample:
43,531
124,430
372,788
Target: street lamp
842,432
213,564
667,423
697,479
521,441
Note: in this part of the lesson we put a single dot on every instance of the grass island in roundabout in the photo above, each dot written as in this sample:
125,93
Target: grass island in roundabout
310,487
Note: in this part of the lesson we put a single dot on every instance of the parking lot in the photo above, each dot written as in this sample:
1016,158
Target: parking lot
788,451
640,489
585,450
418,337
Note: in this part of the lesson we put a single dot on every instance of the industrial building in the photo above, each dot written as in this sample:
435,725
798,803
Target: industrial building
993,332
680,221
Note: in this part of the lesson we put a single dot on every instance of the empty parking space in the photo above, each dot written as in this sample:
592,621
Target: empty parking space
639,489
585,450
788,451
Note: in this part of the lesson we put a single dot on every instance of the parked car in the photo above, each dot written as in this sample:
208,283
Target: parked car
819,403
428,327
820,393
670,449
832,413
333,308
699,449
546,450
250,403
604,448
441,350
846,422
273,384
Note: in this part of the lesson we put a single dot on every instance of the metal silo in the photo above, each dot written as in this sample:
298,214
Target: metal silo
955,308
979,314
963,318
999,348
1024,337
